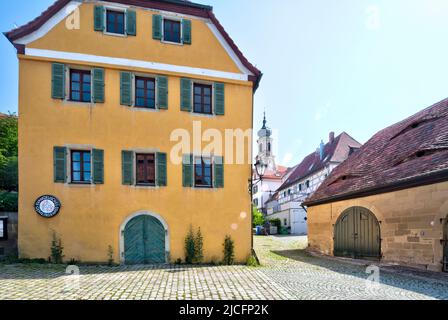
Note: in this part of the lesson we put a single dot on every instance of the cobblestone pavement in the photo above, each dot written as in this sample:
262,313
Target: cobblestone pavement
287,273
309,277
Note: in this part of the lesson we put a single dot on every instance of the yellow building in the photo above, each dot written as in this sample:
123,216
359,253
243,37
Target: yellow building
103,86
389,200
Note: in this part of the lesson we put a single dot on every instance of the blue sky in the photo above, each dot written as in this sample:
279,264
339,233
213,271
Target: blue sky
329,65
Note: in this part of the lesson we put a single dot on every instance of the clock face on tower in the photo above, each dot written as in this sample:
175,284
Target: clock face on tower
47,206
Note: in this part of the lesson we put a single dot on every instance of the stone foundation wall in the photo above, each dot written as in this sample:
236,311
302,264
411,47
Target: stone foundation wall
8,248
412,224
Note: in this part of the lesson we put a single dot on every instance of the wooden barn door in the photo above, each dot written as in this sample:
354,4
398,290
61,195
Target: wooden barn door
357,234
144,241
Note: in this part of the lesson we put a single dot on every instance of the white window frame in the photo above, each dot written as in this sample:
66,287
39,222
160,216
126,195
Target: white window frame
173,18
68,84
116,9
133,89
69,164
208,83
212,161
156,173
134,166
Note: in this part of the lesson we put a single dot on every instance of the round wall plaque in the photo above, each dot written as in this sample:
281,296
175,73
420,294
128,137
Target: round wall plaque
47,206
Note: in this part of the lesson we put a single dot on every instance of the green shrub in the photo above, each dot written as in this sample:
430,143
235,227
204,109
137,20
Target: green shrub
258,218
9,201
252,261
194,247
57,249
190,250
9,174
199,247
229,251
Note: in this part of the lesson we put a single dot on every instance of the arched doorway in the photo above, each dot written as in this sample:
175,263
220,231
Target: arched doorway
357,234
144,239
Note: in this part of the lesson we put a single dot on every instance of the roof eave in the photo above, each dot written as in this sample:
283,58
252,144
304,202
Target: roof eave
419,181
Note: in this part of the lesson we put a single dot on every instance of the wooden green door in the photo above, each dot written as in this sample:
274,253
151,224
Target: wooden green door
344,241
144,241
357,234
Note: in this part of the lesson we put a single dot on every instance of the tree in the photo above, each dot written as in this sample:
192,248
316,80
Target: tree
8,153
258,218
9,178
8,137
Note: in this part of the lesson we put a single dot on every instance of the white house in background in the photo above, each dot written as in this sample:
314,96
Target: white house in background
286,203
274,176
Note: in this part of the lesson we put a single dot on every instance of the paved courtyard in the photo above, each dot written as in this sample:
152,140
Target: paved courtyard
287,273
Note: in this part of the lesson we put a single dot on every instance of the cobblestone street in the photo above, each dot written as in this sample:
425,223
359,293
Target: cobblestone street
287,273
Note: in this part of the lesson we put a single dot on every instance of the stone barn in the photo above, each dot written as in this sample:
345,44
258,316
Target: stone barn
389,200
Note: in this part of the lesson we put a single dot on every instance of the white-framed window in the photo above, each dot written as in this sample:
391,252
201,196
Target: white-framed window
79,88
80,166
3,229
172,30
115,21
203,98
203,172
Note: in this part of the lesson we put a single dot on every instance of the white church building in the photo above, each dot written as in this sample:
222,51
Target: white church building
286,202
274,176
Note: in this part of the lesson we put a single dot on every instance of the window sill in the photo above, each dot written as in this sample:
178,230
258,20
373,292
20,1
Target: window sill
81,185
145,187
120,35
172,43
203,115
78,103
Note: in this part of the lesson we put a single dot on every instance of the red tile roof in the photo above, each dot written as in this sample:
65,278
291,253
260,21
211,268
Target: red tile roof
335,151
274,174
178,6
410,153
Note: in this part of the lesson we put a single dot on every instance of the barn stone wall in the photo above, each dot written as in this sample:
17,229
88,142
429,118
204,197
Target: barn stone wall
412,224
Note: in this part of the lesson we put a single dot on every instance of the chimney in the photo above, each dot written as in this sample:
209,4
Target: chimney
322,150
331,137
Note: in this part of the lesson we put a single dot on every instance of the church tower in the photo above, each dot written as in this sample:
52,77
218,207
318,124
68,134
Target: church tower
265,146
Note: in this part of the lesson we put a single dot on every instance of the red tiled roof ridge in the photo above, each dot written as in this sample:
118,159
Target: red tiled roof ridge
414,147
183,7
301,171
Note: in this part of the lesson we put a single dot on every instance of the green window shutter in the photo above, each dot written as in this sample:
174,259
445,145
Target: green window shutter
57,81
98,85
162,93
186,31
219,172
187,171
98,166
126,88
131,23
98,18
219,99
186,95
157,22
128,167
161,170
60,164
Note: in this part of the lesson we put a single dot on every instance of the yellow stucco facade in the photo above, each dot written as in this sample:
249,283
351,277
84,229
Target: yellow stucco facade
412,224
92,216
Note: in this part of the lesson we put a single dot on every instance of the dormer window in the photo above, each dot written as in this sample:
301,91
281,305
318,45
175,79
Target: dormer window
172,31
115,22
